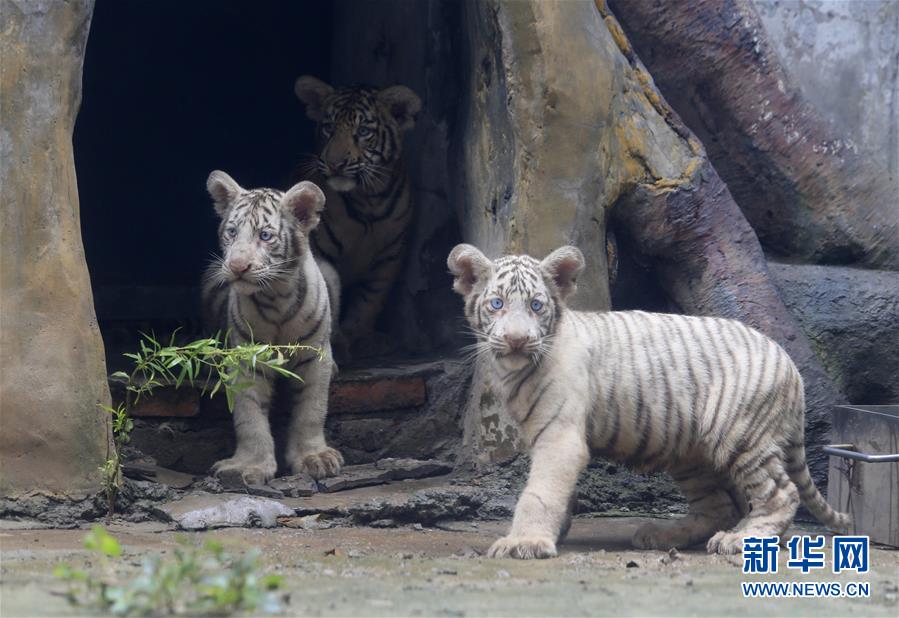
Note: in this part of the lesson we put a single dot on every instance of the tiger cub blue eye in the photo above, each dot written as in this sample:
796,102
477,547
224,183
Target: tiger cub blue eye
496,304
363,132
265,235
536,306
231,232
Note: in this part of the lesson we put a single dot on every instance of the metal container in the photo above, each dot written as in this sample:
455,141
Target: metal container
863,478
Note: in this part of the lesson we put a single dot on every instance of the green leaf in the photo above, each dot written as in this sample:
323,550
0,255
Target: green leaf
285,372
215,547
100,540
272,582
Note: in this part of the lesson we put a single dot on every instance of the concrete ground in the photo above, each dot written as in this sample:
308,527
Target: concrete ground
414,571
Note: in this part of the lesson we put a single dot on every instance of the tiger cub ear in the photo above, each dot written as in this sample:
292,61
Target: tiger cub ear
403,105
305,201
470,267
224,190
563,266
312,92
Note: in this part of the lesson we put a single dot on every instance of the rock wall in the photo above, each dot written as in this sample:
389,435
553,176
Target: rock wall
851,317
51,355
536,158
844,56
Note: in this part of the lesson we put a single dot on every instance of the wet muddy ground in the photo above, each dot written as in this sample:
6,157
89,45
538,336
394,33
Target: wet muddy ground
440,571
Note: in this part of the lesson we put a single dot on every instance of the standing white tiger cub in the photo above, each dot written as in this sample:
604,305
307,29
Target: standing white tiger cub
715,403
268,288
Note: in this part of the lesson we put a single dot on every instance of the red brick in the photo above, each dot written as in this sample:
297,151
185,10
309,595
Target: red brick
167,402
375,395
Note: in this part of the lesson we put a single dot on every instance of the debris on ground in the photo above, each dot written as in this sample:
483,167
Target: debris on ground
201,512
384,471
670,557
296,486
158,474
307,522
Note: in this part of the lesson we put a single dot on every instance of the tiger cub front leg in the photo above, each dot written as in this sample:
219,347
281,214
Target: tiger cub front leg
254,458
307,450
542,514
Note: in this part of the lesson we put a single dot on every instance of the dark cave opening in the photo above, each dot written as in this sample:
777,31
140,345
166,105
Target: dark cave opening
172,91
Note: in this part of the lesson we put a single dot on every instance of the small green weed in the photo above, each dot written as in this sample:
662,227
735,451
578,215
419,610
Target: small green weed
206,580
208,363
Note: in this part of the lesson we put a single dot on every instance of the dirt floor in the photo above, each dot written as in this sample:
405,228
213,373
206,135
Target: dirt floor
420,571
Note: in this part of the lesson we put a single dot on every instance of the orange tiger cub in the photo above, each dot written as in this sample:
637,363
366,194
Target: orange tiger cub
364,231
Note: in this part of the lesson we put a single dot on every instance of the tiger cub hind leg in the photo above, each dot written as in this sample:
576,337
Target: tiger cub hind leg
773,501
711,508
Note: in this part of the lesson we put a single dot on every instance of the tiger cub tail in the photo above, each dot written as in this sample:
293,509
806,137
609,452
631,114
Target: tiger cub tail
798,471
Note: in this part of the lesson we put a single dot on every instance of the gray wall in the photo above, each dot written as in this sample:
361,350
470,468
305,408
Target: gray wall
844,56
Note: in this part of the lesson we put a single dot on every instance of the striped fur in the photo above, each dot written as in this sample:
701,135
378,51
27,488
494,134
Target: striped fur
712,401
267,287
365,229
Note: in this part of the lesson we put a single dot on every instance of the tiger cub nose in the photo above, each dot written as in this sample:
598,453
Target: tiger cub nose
239,267
516,342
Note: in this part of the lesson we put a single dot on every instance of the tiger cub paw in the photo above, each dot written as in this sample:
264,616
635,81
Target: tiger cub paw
322,464
725,543
251,472
523,548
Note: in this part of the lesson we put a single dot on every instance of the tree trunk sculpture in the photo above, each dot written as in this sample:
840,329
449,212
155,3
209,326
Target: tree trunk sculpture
808,192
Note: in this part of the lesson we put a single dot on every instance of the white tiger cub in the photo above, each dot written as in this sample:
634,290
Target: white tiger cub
717,404
267,287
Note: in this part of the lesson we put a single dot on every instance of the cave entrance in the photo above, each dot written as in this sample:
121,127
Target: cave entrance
173,91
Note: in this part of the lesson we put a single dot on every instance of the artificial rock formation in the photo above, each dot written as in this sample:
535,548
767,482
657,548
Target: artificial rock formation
53,368
851,316
808,191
